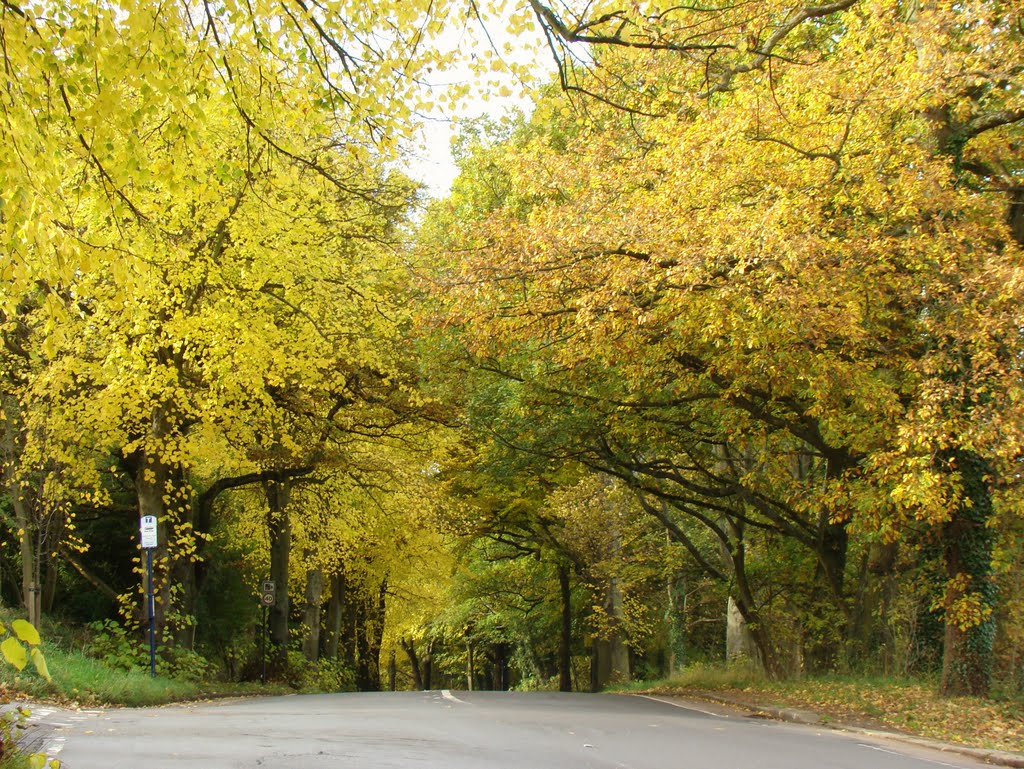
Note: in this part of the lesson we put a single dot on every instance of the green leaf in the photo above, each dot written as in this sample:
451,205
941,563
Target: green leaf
25,632
40,662
14,653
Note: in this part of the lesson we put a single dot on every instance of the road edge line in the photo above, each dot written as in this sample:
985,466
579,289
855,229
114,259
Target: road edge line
678,705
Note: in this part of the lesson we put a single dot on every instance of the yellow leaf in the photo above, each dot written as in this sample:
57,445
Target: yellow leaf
40,662
25,632
14,653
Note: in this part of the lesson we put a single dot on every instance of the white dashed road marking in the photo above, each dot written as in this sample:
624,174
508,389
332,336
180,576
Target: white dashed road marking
65,720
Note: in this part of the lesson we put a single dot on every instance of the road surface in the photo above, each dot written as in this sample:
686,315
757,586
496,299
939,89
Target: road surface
459,730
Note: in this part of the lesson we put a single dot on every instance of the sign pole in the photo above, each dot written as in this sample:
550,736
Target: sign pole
152,614
148,536
263,645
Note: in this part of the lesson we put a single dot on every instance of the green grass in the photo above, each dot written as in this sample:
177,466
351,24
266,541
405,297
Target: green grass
79,679
82,680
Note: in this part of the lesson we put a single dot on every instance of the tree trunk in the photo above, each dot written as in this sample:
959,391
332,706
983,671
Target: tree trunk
279,527
736,553
744,600
826,645
183,632
368,641
620,667
49,587
565,639
499,666
428,666
10,462
29,563
183,562
375,636
331,637
351,626
151,486
739,643
675,621
101,587
967,650
311,613
609,661
409,647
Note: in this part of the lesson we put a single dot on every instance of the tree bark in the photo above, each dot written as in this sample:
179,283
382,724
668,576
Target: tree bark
183,565
409,647
351,627
331,637
311,613
11,432
29,563
739,643
151,486
565,639
743,595
967,649
278,493
609,662
428,666
102,587
499,666
620,668
370,633
49,586
675,621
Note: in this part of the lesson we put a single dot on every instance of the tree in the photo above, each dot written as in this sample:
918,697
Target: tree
201,227
781,235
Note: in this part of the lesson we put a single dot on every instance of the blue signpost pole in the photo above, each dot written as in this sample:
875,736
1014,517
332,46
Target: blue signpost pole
148,535
152,613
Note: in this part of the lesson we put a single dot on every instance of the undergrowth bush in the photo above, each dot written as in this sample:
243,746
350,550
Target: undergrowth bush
330,676
120,649
536,684
321,676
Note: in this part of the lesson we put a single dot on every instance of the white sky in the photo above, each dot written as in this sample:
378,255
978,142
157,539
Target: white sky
433,164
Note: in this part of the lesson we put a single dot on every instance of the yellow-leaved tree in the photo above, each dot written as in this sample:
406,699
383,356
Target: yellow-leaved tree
199,218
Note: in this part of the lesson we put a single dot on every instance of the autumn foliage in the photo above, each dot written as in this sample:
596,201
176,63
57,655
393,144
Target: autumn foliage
764,266
722,341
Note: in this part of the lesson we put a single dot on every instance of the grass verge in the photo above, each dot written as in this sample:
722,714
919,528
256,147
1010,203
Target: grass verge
912,707
78,680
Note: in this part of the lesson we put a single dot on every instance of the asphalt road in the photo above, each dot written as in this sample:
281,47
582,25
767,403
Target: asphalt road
459,730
